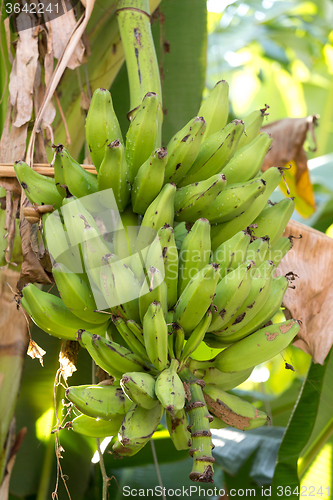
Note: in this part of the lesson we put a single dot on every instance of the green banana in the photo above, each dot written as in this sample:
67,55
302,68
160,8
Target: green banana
149,180
77,295
142,135
261,286
140,389
131,340
161,211
214,153
192,200
234,200
233,410
215,109
155,334
257,250
102,125
253,123
94,248
96,428
120,287
194,253
177,426
196,337
110,356
136,429
169,388
273,220
136,329
59,176
79,181
58,245
178,339
270,307
99,401
279,250
181,229
246,162
183,148
196,298
206,371
170,260
154,289
258,347
38,188
113,174
50,314
231,292
225,230
231,253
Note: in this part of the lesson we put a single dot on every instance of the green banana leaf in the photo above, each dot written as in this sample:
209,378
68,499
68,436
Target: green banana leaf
311,412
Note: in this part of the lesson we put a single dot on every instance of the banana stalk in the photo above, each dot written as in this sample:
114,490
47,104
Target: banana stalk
199,417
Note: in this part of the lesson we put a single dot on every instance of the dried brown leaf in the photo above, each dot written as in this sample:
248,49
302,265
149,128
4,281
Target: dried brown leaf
311,258
34,351
289,136
62,28
23,72
13,139
67,358
11,184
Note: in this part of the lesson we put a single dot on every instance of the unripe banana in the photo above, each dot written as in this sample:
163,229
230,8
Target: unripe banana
170,260
261,285
113,173
140,389
99,401
257,250
212,376
94,248
155,334
154,289
38,188
246,162
232,253
136,329
142,134
130,339
215,109
196,337
169,389
50,314
273,220
214,153
178,339
96,428
177,426
225,230
161,211
197,297
136,429
181,229
77,295
233,410
110,356
194,253
120,287
279,250
149,180
59,176
183,149
266,313
79,181
231,292
253,123
192,200
102,125
234,200
258,347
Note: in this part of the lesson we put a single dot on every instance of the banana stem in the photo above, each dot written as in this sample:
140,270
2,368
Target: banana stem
141,61
201,449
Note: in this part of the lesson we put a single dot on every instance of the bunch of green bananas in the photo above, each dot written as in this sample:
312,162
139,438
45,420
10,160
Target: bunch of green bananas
182,267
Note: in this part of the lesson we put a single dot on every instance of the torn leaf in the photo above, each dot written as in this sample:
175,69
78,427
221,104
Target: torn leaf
67,358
